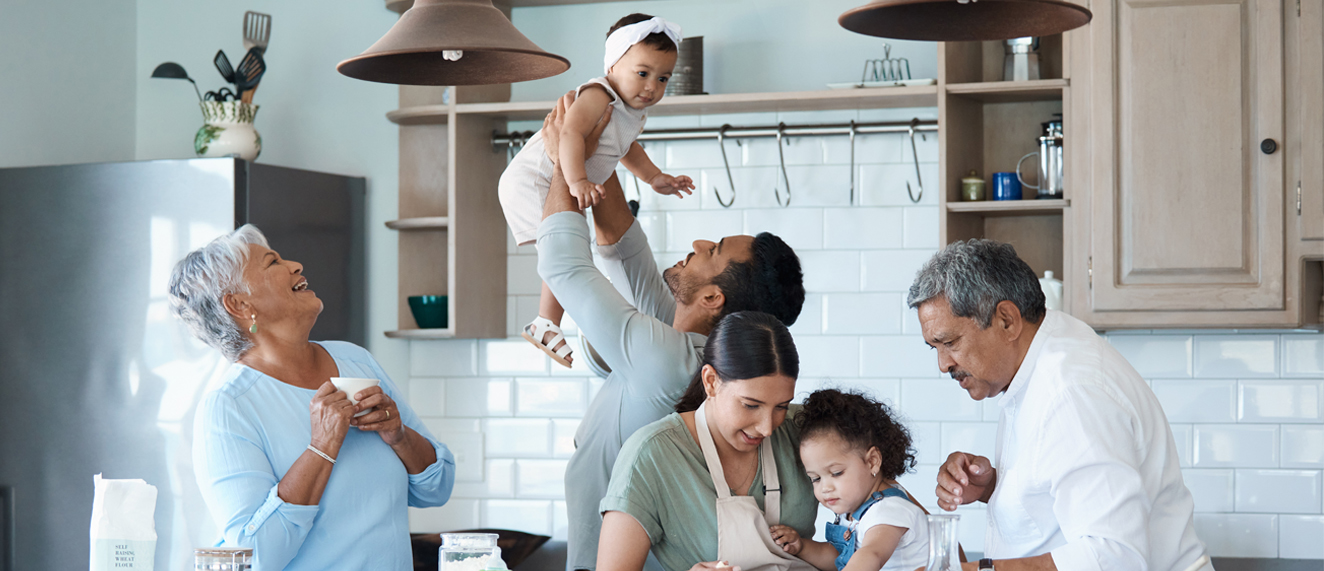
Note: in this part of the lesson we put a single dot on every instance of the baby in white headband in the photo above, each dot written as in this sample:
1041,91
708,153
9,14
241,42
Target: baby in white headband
640,54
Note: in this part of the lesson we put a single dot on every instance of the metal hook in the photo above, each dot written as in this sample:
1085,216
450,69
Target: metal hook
721,142
915,153
852,162
781,156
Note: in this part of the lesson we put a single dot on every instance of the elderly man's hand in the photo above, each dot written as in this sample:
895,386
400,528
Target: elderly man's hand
965,478
551,128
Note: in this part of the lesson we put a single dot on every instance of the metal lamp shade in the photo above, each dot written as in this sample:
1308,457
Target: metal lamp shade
493,50
952,21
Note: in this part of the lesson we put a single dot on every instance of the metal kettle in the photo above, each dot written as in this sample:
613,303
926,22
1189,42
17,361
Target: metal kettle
1050,160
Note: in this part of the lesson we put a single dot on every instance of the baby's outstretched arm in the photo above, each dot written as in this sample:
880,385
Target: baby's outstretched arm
641,166
820,555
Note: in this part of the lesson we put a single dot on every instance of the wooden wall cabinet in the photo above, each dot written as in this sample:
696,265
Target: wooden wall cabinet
1181,217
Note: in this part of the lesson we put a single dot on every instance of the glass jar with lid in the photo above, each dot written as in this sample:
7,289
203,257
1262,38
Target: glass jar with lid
469,552
222,559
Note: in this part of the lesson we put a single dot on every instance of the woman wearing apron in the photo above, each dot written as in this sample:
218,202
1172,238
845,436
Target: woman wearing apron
701,487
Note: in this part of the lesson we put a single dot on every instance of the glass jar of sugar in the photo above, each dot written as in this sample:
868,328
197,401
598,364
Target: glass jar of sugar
469,552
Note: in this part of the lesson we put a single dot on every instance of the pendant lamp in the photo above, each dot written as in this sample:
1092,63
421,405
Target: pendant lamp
964,20
453,42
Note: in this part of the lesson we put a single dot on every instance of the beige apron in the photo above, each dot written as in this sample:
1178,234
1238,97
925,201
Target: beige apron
743,538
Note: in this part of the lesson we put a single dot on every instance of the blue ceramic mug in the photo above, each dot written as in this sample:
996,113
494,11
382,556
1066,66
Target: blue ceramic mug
1005,186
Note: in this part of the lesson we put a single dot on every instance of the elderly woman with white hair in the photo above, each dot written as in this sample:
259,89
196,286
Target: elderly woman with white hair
284,464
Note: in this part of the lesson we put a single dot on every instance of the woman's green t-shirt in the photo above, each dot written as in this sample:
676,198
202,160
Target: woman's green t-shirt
661,479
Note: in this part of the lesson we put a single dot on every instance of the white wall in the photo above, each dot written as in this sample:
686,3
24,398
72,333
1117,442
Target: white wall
309,115
68,91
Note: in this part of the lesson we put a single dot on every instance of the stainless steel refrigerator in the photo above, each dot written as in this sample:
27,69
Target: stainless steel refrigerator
96,376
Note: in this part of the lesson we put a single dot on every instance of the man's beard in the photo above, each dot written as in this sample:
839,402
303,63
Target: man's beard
680,288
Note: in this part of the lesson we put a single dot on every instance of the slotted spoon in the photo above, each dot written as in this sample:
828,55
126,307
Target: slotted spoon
257,30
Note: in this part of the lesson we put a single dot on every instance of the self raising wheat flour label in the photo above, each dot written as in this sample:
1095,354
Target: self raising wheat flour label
123,525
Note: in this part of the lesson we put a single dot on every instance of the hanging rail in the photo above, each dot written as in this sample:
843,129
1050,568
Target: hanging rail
518,138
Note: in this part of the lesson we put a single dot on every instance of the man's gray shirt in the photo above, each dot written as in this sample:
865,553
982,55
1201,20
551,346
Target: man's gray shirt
651,362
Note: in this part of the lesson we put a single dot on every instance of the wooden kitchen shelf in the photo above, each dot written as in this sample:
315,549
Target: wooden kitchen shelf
420,223
1029,207
829,99
399,6
1010,91
447,333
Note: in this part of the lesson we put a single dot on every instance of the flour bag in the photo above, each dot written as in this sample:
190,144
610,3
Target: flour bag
123,525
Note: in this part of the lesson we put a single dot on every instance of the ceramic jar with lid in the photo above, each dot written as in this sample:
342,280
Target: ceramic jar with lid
972,187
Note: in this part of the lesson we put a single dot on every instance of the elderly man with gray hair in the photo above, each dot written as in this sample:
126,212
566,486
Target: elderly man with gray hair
1085,474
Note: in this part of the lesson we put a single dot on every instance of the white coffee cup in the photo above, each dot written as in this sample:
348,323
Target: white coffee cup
352,386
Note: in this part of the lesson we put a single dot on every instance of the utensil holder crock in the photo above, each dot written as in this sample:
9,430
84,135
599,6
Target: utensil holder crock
228,131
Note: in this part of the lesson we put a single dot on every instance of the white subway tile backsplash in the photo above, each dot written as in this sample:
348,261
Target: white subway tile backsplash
455,515
499,482
887,391
797,150
1282,401
938,399
1235,446
763,119
427,396
1181,435
551,398
467,448
910,319
1303,446
438,426
478,397
1212,490
972,528
800,228
926,437
529,516
921,227
541,478
978,438
828,271
829,356
863,228
1280,491
511,356
1303,355
1198,401
1299,537
810,321
922,485
563,436
445,358
897,356
696,154
818,185
1238,535
654,225
885,185
522,275
861,314
518,438
1236,356
1156,356
560,522
891,270
874,148
684,229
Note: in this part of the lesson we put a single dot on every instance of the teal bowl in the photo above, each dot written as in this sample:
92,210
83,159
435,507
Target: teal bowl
430,311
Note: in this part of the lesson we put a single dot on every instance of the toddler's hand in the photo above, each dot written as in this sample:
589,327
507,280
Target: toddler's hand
587,193
664,183
786,537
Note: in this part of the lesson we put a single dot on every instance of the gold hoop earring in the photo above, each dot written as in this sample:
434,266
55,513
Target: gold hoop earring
253,328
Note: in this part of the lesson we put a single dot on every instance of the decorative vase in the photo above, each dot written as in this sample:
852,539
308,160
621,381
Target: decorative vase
228,131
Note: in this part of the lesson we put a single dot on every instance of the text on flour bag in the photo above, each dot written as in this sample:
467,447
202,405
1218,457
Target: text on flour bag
123,525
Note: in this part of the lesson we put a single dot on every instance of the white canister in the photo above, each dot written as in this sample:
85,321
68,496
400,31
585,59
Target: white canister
228,131
1052,291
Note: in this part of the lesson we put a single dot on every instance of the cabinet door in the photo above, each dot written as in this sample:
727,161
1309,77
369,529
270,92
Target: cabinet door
1310,86
1186,211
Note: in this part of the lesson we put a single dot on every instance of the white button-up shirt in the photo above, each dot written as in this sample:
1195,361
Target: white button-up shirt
1086,464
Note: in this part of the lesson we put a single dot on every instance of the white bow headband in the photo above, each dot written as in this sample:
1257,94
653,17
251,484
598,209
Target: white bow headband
620,41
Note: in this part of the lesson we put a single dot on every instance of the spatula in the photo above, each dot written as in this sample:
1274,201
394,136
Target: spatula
223,65
257,30
249,74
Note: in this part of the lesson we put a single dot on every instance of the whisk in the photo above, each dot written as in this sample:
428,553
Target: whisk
886,69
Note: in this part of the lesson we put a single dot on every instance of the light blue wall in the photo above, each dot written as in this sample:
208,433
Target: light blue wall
67,94
309,115
749,45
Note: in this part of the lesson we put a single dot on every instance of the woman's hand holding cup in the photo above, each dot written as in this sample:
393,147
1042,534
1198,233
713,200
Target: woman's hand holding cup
330,414
383,418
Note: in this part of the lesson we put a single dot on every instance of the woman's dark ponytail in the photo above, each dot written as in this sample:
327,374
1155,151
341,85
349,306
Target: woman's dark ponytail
743,345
